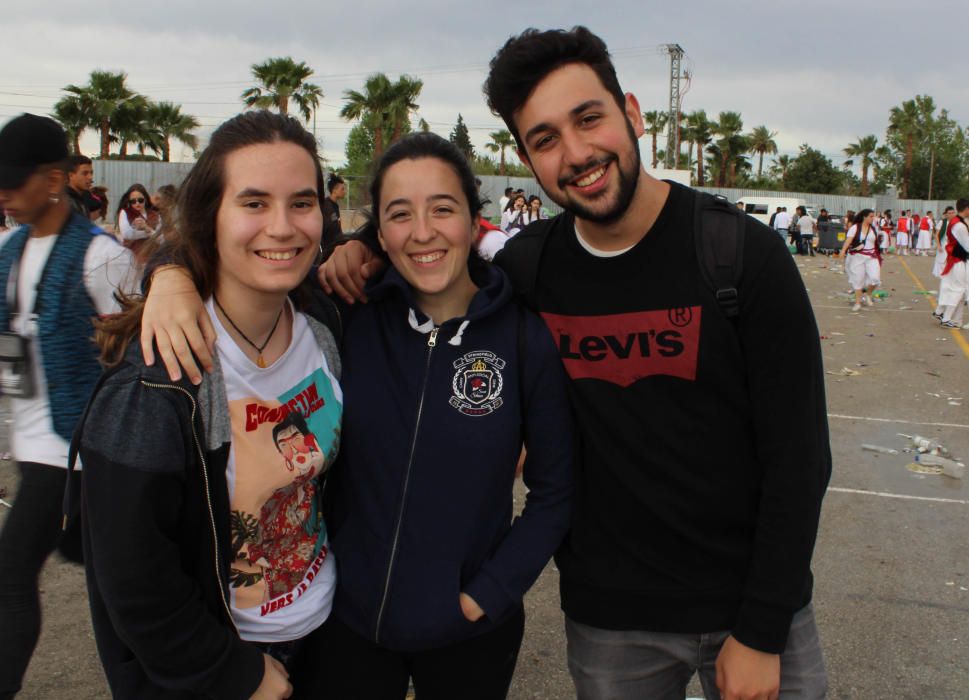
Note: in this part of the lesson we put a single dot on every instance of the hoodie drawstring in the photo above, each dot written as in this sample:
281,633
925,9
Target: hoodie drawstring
428,326
456,340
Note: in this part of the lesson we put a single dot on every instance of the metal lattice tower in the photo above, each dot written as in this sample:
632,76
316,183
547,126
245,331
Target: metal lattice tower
673,127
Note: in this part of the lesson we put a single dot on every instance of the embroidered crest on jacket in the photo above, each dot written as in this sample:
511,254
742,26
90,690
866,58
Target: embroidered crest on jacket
477,383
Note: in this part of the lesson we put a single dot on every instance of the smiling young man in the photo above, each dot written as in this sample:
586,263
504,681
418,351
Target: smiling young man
697,506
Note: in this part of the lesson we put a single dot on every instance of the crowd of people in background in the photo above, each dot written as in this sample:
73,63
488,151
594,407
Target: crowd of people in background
135,221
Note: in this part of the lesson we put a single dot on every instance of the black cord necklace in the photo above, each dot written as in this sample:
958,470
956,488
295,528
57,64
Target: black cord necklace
260,362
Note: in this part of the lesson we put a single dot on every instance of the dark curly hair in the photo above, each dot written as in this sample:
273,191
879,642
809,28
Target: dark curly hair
526,59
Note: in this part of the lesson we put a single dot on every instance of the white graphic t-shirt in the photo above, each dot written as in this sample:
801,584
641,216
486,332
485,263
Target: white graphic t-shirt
285,435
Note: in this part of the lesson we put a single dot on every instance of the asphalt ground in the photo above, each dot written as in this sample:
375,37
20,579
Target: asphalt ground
892,560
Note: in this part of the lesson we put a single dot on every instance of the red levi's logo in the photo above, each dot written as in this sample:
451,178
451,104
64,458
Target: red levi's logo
624,348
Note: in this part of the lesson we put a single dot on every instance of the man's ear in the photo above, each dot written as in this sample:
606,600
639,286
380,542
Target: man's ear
56,181
634,115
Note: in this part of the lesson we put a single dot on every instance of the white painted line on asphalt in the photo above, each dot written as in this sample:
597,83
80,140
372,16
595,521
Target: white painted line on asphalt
898,495
847,307
899,420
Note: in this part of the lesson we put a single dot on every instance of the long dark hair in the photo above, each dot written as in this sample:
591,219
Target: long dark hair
857,221
190,231
125,202
415,147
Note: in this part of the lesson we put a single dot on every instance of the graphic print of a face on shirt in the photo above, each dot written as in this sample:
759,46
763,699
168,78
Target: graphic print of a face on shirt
277,526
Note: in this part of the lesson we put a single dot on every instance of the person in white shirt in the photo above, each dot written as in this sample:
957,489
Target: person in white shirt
862,258
954,292
61,272
503,201
513,217
782,222
806,229
533,210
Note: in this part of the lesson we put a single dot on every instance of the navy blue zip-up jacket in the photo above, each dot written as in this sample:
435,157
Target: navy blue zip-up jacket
434,421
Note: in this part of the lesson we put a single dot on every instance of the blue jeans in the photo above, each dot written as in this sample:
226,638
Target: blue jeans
637,665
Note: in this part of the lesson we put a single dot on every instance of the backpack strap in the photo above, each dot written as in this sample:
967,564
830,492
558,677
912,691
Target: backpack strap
521,259
718,232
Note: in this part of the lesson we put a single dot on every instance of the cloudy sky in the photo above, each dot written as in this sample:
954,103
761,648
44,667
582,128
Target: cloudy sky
824,72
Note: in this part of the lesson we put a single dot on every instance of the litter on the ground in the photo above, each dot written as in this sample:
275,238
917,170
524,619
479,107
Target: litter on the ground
4,503
950,467
919,468
879,449
924,444
836,333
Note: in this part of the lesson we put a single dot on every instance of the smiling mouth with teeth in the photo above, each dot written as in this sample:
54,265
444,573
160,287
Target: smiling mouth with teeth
427,257
278,254
591,177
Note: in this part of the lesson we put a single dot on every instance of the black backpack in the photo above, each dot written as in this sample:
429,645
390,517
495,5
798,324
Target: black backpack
718,228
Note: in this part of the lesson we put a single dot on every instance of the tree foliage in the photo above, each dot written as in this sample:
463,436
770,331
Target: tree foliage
812,171
122,116
462,139
501,140
282,80
383,107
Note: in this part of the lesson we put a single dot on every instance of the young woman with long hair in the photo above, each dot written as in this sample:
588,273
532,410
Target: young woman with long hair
862,258
138,219
513,218
445,377
206,551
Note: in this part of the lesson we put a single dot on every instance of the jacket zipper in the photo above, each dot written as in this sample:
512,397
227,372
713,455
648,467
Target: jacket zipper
208,498
431,342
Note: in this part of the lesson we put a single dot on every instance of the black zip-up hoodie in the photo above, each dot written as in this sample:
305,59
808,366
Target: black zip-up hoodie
434,420
155,513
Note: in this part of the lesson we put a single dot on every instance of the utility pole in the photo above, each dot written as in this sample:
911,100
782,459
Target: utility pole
673,134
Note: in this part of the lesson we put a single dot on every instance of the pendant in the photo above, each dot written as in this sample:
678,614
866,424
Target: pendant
260,363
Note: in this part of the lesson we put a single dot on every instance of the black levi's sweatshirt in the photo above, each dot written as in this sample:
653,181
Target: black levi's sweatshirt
704,442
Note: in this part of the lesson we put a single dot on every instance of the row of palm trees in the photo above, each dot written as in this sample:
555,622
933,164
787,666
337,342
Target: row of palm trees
385,107
722,140
109,106
910,124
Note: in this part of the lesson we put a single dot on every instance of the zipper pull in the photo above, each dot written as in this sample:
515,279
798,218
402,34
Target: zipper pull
432,338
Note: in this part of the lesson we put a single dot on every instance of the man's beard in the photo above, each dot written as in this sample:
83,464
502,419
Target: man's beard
628,181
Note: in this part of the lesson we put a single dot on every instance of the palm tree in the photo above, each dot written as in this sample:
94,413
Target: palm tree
903,123
864,149
700,130
761,141
403,94
383,106
283,79
169,123
99,100
781,164
71,112
130,126
655,125
500,140
730,146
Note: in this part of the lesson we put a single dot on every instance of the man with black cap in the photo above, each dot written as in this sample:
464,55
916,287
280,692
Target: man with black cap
60,272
